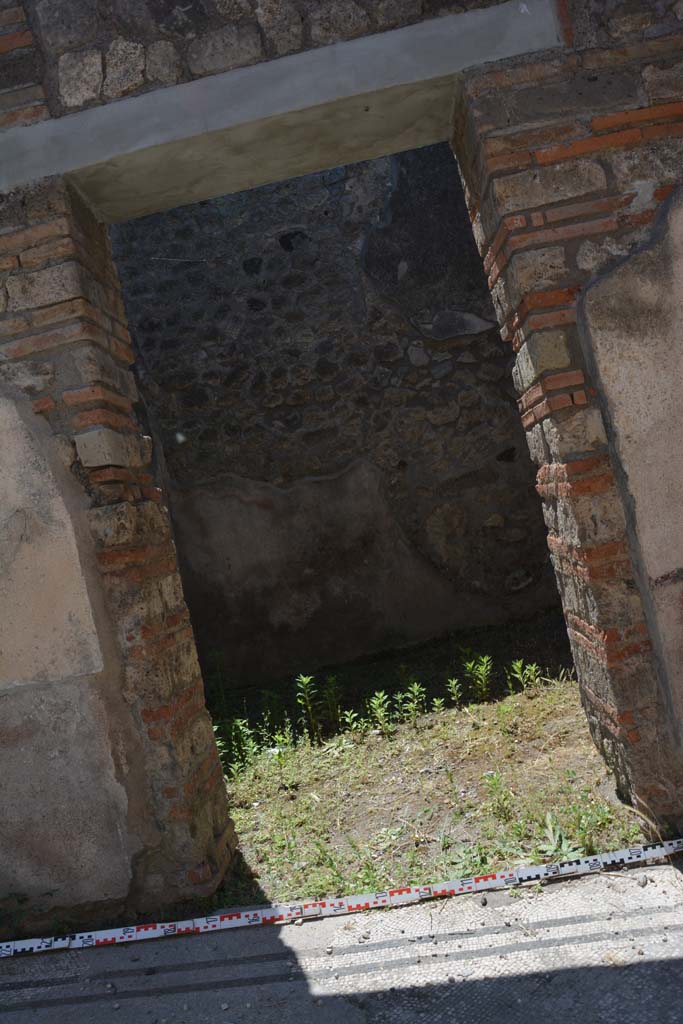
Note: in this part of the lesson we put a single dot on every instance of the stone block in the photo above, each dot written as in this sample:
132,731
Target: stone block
105,447
29,377
25,207
581,431
629,22
500,295
282,25
127,524
393,13
162,65
44,287
96,367
232,46
663,84
125,63
586,91
538,450
543,351
195,741
343,19
535,270
417,354
64,24
653,164
543,185
172,591
165,678
80,77
590,519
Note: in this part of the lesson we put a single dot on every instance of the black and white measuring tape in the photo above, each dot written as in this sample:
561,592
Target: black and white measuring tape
279,914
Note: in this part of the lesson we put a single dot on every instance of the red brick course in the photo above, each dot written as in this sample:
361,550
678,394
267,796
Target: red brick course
15,41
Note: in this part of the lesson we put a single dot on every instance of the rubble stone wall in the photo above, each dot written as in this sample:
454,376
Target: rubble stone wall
346,467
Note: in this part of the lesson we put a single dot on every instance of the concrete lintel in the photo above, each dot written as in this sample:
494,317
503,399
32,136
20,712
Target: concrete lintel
281,118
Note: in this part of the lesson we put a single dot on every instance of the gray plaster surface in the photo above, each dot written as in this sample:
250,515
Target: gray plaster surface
632,320
305,112
62,726
606,948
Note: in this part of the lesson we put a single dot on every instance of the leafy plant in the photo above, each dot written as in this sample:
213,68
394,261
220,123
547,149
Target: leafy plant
587,820
400,700
352,722
284,736
479,674
237,745
501,799
454,687
306,698
522,676
469,859
416,702
438,705
555,844
379,709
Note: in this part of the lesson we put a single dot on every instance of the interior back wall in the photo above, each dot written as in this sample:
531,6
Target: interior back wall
346,468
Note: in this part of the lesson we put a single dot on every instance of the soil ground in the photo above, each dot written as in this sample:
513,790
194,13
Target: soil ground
456,792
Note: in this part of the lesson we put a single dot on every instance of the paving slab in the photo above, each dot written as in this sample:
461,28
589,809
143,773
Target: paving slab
605,948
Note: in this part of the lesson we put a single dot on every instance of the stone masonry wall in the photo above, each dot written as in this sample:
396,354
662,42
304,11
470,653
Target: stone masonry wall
65,346
346,468
67,55
96,53
567,161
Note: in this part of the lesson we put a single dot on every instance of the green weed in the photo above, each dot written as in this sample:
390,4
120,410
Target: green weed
522,676
416,702
478,671
454,687
306,698
379,711
501,799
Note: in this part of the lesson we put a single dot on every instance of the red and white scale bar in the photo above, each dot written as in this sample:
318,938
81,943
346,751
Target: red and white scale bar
279,914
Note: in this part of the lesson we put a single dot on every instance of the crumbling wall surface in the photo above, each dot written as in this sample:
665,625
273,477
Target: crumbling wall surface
632,320
567,162
347,468
112,792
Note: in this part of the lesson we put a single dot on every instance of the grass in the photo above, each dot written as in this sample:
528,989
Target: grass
410,795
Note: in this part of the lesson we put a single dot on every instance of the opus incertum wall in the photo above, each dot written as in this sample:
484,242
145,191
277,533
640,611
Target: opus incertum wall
567,156
346,470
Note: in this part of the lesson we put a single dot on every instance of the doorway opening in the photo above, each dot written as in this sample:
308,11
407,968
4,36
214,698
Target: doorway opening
355,515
